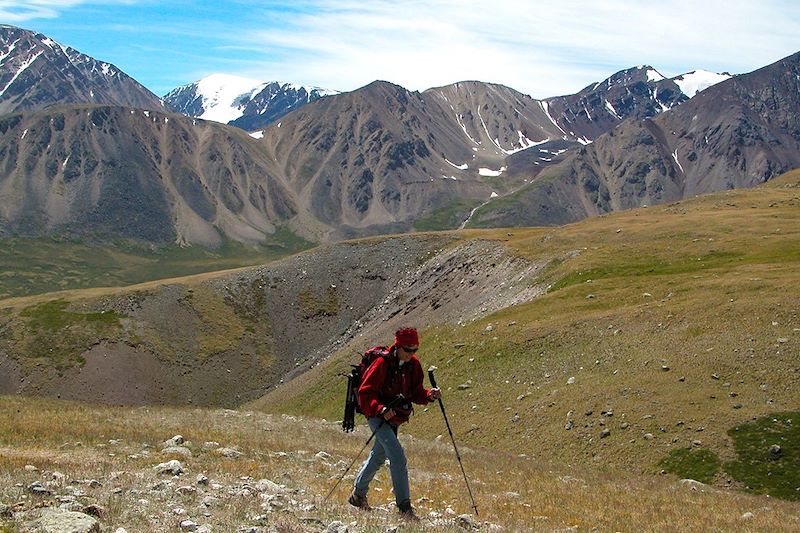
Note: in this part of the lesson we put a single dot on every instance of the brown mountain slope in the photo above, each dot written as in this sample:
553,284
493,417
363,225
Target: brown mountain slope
738,133
376,159
107,172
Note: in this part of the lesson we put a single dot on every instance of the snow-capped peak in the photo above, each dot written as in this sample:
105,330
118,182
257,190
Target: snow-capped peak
695,81
226,98
222,94
654,75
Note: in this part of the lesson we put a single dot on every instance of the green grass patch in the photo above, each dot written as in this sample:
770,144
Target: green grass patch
61,336
35,266
680,265
701,465
759,469
449,217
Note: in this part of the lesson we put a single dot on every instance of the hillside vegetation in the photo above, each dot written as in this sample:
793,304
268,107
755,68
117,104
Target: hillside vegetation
254,472
40,265
663,331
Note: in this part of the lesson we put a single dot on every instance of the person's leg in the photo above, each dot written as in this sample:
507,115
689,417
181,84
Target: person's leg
375,460
398,465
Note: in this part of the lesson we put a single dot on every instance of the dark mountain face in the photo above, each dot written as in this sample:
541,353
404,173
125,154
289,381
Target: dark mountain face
638,93
240,102
274,102
37,72
738,133
109,172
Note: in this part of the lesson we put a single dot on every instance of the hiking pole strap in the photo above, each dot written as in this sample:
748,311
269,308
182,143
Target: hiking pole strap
452,438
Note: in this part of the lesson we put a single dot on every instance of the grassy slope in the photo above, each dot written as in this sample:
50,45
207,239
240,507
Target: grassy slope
655,304
118,447
34,266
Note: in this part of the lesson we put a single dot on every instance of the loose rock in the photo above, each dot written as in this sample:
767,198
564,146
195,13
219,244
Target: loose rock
230,453
188,525
693,484
177,450
37,488
467,522
337,527
173,467
51,520
177,440
94,510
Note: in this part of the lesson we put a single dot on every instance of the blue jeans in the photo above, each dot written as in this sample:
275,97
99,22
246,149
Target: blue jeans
386,446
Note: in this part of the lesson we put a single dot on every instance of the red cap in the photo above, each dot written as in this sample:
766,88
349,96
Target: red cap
406,337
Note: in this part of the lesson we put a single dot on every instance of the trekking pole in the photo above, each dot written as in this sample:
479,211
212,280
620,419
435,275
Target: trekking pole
390,405
458,456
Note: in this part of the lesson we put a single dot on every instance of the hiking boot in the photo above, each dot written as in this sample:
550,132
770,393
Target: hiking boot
406,511
359,501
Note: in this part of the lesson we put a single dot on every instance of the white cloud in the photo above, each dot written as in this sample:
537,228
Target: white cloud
21,11
18,11
544,48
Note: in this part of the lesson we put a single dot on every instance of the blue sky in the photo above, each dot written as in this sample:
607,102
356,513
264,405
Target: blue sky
542,48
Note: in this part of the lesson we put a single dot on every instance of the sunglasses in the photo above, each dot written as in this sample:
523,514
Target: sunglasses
410,349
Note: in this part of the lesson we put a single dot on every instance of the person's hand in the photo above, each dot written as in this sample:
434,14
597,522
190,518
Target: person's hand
436,394
388,414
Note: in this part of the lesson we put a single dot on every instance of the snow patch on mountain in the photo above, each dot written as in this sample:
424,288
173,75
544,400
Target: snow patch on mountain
22,68
460,167
491,173
654,75
696,81
222,96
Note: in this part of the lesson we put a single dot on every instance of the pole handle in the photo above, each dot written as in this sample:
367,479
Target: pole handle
430,376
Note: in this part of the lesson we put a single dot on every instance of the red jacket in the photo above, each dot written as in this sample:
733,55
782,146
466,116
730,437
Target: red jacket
385,379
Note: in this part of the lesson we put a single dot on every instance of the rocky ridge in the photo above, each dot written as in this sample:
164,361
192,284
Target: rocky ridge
37,72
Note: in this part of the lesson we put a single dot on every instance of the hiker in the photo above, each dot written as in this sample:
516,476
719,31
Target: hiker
397,372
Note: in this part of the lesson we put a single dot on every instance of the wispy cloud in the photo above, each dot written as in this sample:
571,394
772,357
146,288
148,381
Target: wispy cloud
18,11
544,48
21,11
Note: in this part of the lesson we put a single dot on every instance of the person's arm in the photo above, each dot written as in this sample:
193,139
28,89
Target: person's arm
370,389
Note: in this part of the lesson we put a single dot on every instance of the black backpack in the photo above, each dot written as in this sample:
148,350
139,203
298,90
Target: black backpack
351,406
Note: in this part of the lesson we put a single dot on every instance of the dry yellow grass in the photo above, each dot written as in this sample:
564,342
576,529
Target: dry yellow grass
517,493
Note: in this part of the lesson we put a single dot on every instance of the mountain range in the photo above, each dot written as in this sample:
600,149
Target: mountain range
87,151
